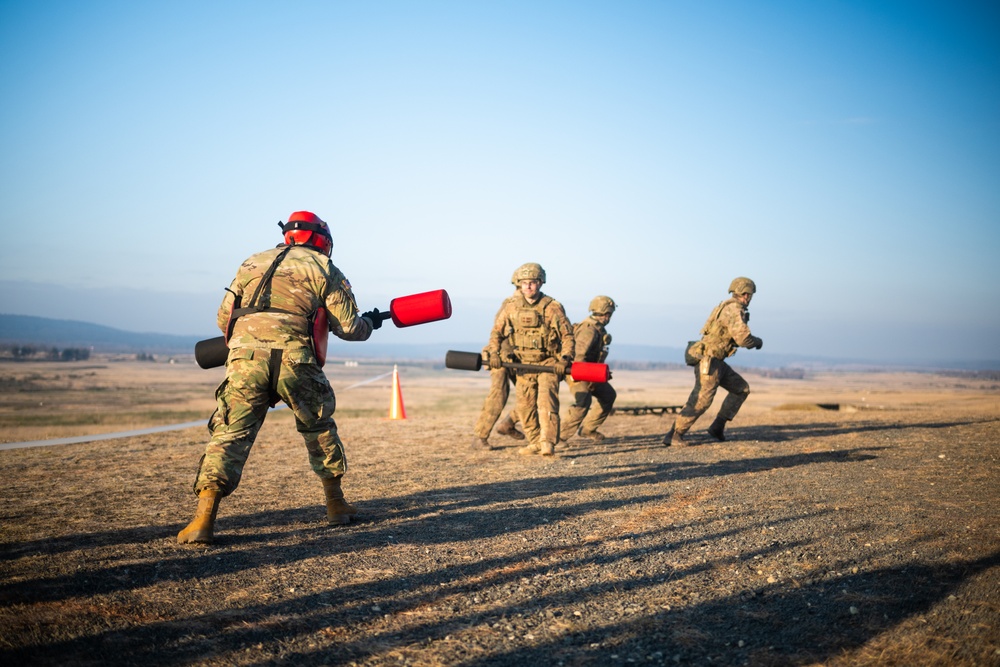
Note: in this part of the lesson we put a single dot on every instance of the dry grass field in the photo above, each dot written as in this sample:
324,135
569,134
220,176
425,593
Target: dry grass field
868,534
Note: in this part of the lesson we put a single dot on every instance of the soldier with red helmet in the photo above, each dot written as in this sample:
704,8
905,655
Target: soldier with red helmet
276,315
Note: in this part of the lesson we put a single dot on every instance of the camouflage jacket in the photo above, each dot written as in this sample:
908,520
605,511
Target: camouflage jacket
304,281
537,332
592,341
726,329
506,349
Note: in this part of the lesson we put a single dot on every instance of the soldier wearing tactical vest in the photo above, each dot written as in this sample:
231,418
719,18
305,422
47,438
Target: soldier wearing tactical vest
724,331
496,399
539,333
591,343
276,314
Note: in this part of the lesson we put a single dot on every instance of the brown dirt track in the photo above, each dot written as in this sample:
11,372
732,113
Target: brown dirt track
866,535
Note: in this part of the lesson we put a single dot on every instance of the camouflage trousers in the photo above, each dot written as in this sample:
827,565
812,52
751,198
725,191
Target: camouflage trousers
583,411
496,400
709,375
257,379
538,407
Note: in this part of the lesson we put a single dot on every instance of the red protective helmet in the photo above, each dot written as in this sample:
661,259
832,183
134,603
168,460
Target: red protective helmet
306,228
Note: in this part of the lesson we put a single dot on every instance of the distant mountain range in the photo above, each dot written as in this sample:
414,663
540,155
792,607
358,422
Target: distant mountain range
44,332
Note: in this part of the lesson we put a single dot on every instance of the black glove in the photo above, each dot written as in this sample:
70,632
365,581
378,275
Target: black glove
757,344
375,317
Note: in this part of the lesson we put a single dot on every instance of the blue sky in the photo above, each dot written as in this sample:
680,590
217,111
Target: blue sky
844,155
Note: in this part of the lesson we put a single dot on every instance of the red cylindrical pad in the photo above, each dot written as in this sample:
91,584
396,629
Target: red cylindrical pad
587,371
420,308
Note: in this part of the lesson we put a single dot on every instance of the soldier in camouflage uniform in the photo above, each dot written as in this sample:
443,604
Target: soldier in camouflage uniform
592,340
724,331
496,399
276,353
539,333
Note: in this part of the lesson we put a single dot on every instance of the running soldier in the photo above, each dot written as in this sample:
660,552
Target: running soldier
276,315
592,340
539,333
724,331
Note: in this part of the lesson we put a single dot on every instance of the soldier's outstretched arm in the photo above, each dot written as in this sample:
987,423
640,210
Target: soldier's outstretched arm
345,320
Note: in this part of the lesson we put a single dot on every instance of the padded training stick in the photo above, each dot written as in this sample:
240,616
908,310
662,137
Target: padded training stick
419,308
405,311
581,371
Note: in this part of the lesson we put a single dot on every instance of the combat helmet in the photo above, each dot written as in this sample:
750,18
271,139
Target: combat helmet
602,305
742,285
529,271
306,228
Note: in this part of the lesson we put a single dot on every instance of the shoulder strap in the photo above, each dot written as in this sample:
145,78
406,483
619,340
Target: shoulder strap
265,281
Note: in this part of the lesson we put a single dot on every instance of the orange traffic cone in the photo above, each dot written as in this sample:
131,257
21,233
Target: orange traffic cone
396,409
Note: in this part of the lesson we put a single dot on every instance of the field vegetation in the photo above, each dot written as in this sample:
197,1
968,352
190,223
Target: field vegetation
851,520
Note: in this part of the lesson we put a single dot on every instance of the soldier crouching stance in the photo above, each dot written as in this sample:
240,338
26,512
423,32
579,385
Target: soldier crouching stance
591,342
725,330
276,315
539,333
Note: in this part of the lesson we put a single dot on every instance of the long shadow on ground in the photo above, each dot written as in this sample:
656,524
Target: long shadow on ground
779,624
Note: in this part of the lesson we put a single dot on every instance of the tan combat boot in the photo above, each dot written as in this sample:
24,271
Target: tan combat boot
529,450
201,528
717,429
506,428
338,511
674,439
547,449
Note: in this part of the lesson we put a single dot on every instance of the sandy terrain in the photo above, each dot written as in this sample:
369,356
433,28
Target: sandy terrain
863,535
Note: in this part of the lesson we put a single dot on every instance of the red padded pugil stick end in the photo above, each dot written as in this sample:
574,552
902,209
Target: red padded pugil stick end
587,371
420,308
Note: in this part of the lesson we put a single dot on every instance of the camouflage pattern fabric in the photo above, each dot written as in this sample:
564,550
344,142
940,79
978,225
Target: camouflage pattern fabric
500,381
539,333
243,400
591,345
709,375
303,281
536,332
271,359
724,331
496,400
538,407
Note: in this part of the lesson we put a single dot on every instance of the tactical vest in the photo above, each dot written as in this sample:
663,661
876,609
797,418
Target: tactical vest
534,340
602,353
317,322
715,336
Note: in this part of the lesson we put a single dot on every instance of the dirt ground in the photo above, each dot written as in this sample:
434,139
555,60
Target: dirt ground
866,533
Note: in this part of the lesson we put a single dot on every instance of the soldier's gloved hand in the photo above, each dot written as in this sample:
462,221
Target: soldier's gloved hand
562,367
374,317
757,344
494,361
